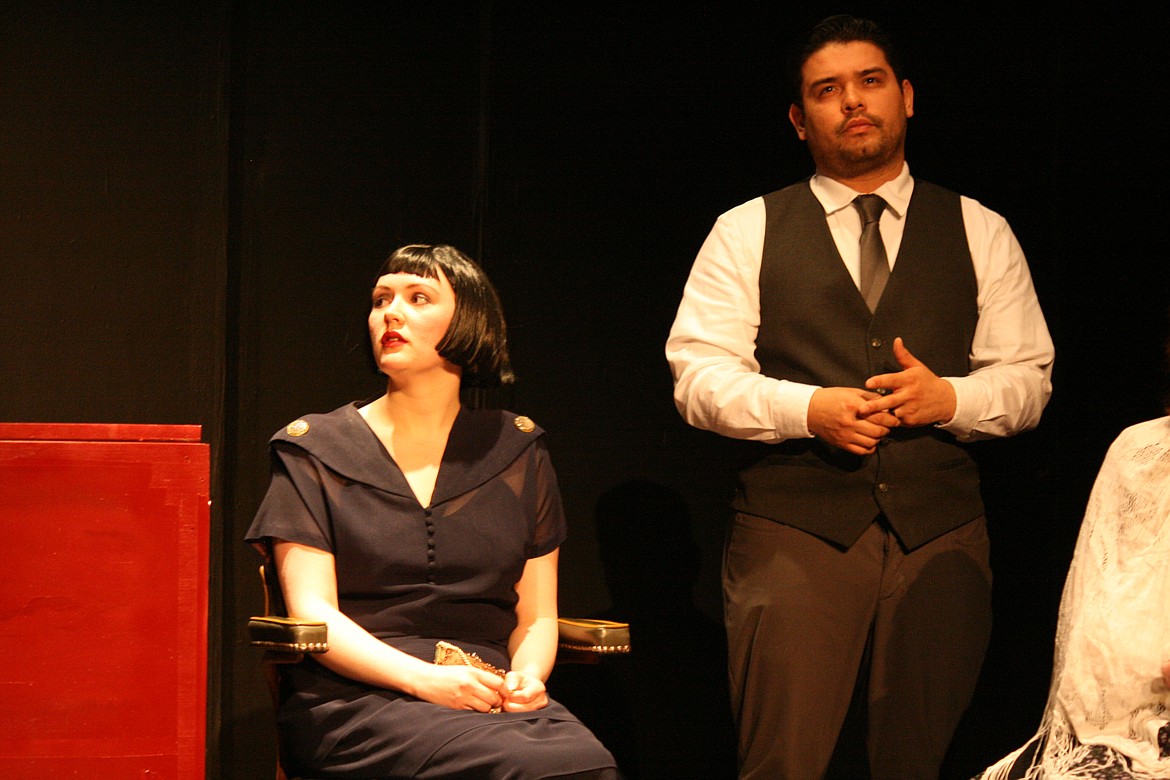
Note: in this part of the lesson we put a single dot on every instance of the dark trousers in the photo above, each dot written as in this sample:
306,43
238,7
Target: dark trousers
802,614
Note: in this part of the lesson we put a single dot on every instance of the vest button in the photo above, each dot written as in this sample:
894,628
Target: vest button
883,487
875,343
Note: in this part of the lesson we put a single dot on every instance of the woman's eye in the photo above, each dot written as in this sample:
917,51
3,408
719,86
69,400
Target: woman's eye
420,298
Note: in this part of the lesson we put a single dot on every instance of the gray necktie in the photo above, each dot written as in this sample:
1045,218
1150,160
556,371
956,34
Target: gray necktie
875,268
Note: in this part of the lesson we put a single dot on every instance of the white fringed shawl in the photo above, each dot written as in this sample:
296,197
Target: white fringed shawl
1113,632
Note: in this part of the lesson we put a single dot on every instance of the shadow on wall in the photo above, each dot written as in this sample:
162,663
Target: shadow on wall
663,710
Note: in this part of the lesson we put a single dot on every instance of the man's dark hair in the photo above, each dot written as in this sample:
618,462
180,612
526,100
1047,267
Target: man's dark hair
477,338
840,29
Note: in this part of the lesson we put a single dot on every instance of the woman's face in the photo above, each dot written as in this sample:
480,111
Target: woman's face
409,316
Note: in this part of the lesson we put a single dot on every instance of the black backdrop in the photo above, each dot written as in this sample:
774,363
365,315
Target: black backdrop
193,199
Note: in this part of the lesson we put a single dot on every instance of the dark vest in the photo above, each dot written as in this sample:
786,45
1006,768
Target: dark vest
816,329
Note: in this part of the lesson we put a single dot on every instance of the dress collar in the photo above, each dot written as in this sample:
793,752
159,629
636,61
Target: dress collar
482,443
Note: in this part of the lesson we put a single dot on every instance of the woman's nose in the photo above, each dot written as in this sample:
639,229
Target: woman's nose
393,311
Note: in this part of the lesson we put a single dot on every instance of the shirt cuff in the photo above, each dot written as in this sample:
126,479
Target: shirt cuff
966,410
790,410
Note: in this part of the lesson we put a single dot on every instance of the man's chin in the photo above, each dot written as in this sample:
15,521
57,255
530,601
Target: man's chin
863,159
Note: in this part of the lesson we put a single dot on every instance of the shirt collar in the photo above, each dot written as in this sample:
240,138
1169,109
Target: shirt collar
834,196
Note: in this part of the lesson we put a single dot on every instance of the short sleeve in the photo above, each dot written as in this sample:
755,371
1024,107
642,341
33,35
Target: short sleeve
550,528
295,507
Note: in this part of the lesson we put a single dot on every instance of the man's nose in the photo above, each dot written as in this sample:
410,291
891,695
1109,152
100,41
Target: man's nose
852,99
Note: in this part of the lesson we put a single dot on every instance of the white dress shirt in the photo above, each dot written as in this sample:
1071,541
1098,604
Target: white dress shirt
711,348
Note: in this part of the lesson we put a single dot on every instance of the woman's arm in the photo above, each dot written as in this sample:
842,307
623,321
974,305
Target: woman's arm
533,644
309,580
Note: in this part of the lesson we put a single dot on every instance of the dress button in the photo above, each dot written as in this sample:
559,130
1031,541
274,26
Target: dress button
875,343
883,487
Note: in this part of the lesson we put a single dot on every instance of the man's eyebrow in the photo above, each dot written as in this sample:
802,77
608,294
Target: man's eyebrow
819,82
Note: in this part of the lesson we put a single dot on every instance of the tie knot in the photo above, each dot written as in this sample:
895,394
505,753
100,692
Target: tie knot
870,207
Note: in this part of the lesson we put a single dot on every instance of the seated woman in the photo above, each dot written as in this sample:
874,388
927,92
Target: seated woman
1107,711
410,520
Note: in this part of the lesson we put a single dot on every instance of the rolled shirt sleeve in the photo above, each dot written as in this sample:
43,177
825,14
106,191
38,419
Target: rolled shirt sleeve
712,344
1011,352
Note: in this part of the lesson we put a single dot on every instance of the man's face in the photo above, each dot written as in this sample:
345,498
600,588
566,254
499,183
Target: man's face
855,110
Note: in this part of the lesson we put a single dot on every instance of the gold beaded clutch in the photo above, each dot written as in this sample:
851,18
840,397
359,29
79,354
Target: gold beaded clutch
447,654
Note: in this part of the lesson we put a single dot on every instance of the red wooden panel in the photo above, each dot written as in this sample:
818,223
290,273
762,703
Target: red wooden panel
103,608
99,432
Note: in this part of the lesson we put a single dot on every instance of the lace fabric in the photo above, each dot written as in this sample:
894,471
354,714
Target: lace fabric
1107,701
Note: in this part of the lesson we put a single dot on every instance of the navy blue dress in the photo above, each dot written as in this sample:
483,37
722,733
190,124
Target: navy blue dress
412,575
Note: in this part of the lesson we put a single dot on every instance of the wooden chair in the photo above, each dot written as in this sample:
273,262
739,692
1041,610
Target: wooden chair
287,640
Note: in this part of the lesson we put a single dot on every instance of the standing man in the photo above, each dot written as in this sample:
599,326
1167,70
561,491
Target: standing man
865,325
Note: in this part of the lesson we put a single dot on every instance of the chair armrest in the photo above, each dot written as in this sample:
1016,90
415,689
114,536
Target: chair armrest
594,636
293,635
288,635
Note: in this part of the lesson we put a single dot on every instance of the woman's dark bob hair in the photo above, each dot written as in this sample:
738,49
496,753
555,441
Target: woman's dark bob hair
477,338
